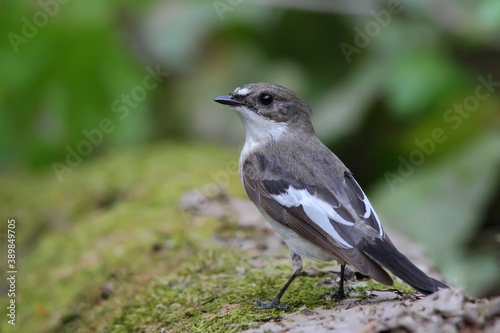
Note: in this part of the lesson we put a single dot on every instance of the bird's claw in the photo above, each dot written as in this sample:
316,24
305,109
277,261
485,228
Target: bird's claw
339,294
274,304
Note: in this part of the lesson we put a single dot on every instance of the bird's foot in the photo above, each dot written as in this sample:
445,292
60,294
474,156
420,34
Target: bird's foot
274,304
339,294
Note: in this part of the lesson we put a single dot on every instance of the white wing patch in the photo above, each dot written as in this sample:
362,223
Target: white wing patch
319,211
369,209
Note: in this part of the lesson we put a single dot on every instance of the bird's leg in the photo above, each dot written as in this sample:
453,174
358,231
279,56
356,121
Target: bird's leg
276,302
339,294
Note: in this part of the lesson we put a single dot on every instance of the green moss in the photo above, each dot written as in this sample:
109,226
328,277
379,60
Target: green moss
109,250
73,236
215,292
372,285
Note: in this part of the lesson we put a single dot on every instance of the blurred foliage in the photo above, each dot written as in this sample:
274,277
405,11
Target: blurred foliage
370,107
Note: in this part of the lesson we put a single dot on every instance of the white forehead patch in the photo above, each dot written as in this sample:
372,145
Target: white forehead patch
242,91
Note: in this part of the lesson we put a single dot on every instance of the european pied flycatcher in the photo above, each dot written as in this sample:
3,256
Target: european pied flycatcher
308,195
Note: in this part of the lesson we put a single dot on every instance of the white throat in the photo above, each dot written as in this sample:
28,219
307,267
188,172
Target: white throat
258,130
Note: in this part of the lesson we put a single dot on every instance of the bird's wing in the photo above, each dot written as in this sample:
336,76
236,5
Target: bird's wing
361,205
330,219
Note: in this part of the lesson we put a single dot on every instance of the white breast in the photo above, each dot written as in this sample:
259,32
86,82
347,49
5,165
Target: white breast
258,131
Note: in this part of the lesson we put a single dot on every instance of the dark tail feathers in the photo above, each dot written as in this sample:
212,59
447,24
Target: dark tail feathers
385,254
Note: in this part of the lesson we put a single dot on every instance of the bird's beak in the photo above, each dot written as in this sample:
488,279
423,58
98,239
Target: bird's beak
228,100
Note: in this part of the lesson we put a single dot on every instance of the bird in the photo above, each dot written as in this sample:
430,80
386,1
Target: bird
308,195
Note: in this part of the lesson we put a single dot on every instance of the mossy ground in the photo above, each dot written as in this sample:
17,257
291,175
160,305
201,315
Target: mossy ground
108,249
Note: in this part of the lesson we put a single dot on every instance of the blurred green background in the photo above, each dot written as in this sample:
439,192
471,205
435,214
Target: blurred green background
399,91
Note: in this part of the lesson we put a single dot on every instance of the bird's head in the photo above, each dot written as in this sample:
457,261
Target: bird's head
267,108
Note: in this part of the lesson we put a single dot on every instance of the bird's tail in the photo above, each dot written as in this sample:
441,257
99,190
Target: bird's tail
385,254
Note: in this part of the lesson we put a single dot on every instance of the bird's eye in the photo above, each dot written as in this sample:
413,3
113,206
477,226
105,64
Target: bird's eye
266,99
